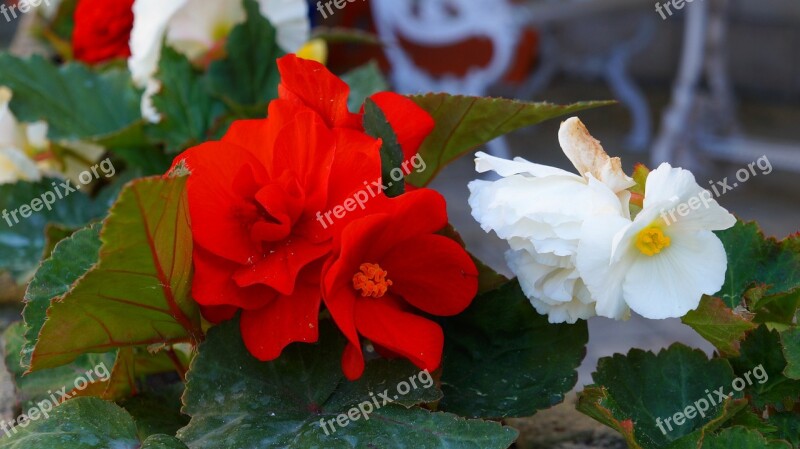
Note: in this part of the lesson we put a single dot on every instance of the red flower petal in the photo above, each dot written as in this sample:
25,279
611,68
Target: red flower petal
220,192
357,155
280,268
102,30
416,338
305,147
218,314
337,281
411,123
213,284
416,213
433,273
353,362
311,84
288,319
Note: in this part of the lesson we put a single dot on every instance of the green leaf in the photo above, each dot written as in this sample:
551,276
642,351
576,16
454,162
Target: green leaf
641,395
736,438
157,411
44,385
464,123
59,30
718,324
237,401
364,82
790,341
22,243
189,112
77,102
775,310
377,125
71,259
788,427
139,292
755,260
82,423
761,365
163,442
748,418
53,234
247,78
501,336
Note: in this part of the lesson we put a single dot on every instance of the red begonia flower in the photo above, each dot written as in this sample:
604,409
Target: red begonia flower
309,83
386,266
254,200
102,30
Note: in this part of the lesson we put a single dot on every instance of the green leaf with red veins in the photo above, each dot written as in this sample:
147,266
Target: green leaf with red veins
718,324
70,260
139,292
464,123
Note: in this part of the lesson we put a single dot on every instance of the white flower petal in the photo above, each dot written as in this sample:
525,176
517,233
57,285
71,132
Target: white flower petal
683,203
603,278
149,111
16,166
552,290
671,283
151,19
36,134
199,24
9,127
290,18
504,167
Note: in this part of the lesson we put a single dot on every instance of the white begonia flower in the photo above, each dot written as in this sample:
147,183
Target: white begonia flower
16,141
658,266
540,211
193,27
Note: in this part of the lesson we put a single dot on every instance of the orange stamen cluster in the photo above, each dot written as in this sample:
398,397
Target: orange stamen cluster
371,280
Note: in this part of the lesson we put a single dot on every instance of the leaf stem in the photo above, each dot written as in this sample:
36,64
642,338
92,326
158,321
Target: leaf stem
177,362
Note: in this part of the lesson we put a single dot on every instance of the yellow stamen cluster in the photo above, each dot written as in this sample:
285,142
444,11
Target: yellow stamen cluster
652,241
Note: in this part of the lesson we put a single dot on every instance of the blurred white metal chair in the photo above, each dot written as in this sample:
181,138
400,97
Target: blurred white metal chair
439,23
606,57
700,121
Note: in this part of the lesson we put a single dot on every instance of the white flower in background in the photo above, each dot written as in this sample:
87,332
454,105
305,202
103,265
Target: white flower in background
18,143
194,27
49,9
657,268
540,210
